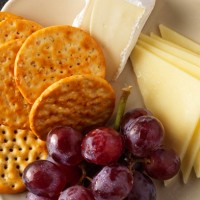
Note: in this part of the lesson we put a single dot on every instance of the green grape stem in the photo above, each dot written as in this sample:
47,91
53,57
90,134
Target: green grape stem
121,106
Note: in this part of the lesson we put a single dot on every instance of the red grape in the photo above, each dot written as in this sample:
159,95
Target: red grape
31,196
73,173
143,188
162,164
112,183
129,118
76,193
102,146
64,145
144,135
44,178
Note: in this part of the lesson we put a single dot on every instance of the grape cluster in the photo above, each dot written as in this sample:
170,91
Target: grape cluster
105,164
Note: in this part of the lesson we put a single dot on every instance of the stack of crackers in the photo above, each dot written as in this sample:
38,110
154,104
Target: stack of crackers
50,77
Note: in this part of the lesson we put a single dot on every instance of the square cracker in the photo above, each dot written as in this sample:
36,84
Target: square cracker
18,149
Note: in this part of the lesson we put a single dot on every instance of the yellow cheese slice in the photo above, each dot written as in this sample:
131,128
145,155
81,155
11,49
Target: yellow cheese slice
153,35
179,39
173,96
191,153
189,68
113,23
195,72
180,53
197,164
190,46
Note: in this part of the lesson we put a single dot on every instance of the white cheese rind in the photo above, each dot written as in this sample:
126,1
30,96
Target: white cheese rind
116,24
83,18
113,24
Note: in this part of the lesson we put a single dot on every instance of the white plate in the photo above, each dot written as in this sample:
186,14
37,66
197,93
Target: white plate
182,15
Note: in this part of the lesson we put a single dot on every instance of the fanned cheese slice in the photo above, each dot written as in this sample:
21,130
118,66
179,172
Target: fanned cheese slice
187,67
197,164
179,39
154,36
173,96
189,158
116,25
191,153
178,52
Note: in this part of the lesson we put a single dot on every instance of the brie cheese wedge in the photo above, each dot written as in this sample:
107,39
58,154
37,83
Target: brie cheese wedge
116,25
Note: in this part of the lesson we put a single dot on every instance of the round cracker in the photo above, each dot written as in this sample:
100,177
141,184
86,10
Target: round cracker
14,109
54,53
78,101
17,29
7,15
18,149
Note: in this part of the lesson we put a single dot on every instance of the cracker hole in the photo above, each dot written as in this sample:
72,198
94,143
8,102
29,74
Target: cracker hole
35,137
3,132
5,167
61,72
1,149
18,167
5,140
2,175
38,42
20,149
15,158
15,131
30,148
6,158
26,159
33,64
11,149
25,138
14,140
13,186
20,174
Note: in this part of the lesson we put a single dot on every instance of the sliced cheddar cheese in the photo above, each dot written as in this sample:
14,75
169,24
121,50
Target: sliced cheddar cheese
179,39
189,68
173,96
178,52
